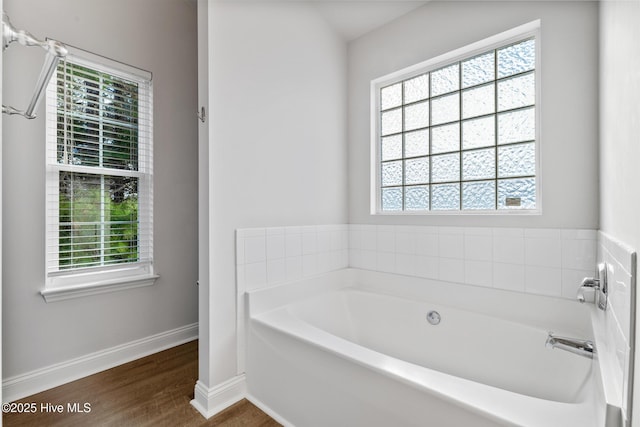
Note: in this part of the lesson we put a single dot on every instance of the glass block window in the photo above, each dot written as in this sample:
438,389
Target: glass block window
460,135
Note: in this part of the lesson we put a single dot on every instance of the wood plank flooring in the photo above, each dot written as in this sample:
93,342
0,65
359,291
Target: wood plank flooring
152,391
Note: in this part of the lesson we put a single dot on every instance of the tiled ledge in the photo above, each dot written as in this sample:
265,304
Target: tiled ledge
538,261
268,256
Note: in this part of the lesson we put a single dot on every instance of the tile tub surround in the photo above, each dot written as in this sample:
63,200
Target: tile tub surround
616,321
537,261
269,256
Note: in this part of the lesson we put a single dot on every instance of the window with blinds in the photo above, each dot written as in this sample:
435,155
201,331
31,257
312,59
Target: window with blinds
99,161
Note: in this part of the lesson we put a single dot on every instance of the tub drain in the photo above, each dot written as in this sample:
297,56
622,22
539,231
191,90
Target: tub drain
433,317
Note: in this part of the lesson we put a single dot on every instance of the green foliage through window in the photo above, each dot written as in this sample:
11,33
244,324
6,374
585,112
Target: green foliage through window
97,127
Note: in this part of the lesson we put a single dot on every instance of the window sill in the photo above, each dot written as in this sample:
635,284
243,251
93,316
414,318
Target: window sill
98,287
470,212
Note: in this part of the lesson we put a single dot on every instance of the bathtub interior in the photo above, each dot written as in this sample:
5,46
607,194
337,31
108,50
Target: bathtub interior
339,312
478,347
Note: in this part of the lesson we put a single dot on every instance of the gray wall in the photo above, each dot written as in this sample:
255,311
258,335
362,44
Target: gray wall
619,130
156,35
569,122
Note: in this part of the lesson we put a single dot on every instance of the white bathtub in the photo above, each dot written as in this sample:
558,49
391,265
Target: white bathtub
354,348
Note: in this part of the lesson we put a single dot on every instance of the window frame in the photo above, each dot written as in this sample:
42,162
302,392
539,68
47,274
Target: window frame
76,282
514,35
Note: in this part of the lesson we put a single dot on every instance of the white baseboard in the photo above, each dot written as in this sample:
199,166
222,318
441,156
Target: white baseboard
210,401
267,410
24,385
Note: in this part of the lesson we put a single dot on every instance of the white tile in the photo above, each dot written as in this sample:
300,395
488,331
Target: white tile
294,229
335,240
344,258
451,270
406,264
542,233
386,262
356,258
427,266
410,229
427,229
478,247
336,260
478,273
255,249
276,271
386,228
344,239
274,231
477,231
507,249
255,275
427,244
621,252
543,252
309,265
508,232
325,228
508,276
451,246
450,230
275,246
579,254
325,262
405,243
355,238
239,250
621,346
250,232
620,301
369,239
579,234
309,229
369,259
324,241
240,280
386,241
293,244
543,280
309,243
293,268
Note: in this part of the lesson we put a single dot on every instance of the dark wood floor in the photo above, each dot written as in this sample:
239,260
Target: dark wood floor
152,391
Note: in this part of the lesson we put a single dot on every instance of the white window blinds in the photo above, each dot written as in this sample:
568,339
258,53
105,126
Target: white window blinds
99,166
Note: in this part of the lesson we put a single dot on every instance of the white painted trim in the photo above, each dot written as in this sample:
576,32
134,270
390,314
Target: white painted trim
98,287
267,410
42,379
210,401
1,257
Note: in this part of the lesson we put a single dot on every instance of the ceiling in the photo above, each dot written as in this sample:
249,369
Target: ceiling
353,18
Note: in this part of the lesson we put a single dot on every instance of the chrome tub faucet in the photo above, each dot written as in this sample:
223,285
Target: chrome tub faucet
583,348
